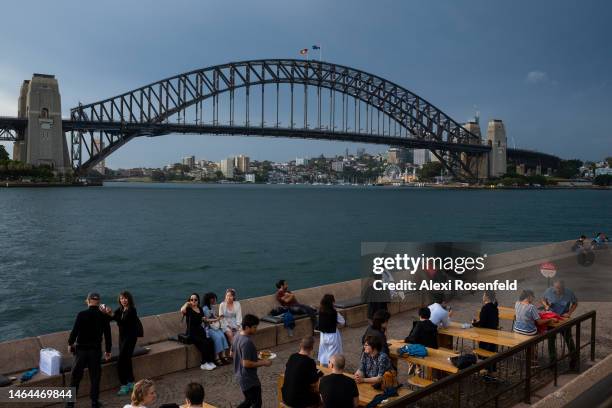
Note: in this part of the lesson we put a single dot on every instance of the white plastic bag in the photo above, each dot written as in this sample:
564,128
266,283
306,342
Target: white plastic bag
50,361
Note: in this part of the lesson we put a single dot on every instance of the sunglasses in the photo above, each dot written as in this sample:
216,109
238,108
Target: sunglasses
193,299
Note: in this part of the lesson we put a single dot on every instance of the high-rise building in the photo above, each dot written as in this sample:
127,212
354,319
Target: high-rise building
360,152
227,167
421,156
241,162
189,161
301,161
398,155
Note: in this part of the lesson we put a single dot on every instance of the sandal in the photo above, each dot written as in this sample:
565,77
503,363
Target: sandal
219,363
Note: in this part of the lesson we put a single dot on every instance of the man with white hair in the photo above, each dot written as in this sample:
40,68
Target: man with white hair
563,302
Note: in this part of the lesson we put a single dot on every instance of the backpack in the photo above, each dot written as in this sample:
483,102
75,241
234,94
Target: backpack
463,361
414,350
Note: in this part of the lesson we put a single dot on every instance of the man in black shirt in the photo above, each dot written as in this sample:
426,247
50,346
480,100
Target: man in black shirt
85,342
301,377
338,390
424,332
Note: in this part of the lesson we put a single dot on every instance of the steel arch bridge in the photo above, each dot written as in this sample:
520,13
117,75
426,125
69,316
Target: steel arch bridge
276,97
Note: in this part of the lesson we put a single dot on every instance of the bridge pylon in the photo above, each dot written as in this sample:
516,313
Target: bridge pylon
43,141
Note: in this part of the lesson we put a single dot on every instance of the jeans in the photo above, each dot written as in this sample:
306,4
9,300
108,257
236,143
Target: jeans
252,398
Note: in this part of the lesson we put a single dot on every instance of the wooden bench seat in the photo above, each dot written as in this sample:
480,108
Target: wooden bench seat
484,353
419,381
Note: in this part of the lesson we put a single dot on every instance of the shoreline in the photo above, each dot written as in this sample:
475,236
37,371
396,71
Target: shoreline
21,184
409,186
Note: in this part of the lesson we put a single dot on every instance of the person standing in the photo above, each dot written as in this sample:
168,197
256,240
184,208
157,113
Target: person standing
130,328
338,390
195,332
301,377
562,301
246,363
85,341
330,322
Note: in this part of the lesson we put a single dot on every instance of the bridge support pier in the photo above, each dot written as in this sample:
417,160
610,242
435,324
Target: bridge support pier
44,142
496,137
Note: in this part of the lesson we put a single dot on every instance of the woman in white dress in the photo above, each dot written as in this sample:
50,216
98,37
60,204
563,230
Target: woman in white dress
231,315
330,322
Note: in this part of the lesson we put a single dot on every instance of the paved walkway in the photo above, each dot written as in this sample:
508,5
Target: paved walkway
222,391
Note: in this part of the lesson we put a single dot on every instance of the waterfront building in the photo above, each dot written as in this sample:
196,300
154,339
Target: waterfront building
337,166
189,161
603,171
227,167
421,156
241,163
249,178
398,155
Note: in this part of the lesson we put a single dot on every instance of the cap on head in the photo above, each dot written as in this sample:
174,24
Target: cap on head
93,296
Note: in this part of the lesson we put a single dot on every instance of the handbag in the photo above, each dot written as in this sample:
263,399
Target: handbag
139,328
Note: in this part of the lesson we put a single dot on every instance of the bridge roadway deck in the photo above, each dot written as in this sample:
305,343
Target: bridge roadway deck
222,391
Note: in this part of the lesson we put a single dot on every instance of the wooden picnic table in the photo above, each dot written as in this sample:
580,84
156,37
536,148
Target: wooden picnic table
366,391
437,359
499,337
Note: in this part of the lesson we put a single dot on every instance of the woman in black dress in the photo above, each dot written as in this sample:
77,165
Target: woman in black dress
130,329
194,316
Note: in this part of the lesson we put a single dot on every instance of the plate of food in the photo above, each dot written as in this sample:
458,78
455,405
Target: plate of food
266,355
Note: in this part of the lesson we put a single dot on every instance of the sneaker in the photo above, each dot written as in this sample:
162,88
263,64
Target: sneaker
124,390
208,366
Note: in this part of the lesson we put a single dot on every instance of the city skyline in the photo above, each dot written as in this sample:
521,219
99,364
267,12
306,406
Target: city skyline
543,69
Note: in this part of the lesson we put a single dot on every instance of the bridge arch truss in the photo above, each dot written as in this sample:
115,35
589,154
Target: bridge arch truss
276,97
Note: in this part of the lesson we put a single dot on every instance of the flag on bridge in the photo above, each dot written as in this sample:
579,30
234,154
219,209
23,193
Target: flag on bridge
304,51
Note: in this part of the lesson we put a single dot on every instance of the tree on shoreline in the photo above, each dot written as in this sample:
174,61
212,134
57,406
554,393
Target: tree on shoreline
4,156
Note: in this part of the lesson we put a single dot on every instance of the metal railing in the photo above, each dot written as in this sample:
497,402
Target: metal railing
511,375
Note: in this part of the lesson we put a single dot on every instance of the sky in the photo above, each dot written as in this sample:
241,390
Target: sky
544,68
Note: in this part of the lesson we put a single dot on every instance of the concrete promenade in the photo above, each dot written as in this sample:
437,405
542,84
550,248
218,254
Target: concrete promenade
222,391
173,365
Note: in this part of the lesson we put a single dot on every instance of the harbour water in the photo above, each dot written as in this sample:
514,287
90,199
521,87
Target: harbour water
164,241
